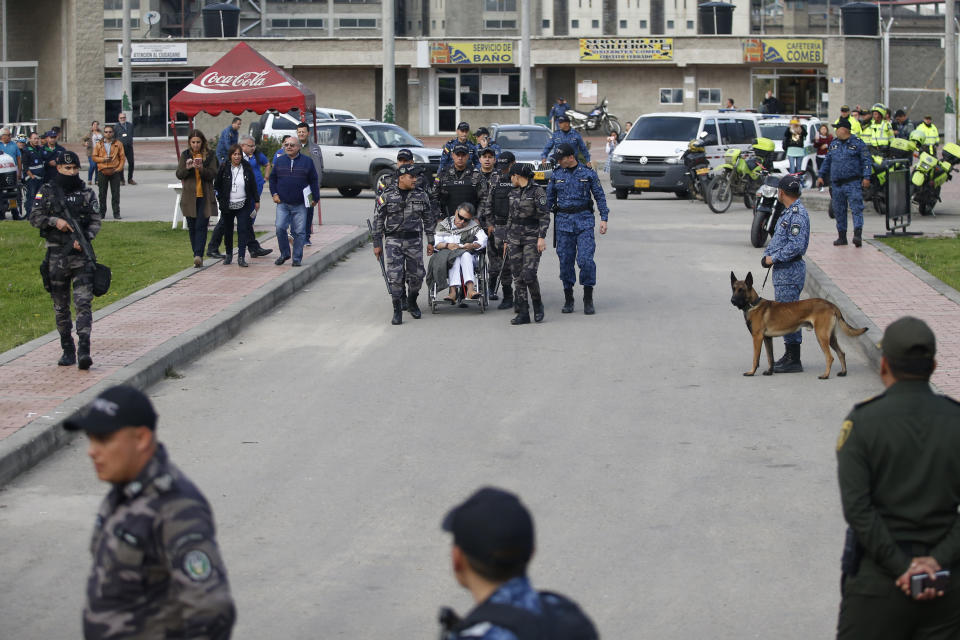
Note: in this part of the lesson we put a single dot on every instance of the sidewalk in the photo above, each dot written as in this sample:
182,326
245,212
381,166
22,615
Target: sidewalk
138,339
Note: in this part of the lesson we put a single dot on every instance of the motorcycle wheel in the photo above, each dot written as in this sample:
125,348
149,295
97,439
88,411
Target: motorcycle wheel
750,195
926,206
719,194
611,125
621,194
758,231
880,205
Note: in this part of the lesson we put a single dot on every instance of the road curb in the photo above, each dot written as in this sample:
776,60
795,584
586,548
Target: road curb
37,440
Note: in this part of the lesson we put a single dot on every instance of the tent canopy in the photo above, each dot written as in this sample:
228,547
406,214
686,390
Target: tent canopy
243,80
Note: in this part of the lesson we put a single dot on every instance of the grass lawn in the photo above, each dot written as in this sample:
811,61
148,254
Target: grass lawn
138,253
938,256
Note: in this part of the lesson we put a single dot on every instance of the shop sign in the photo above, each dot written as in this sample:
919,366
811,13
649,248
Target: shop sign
809,51
475,52
626,49
155,53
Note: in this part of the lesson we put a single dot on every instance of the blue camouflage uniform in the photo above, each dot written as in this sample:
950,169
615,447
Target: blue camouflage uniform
517,592
556,111
846,164
570,137
786,249
34,161
568,194
477,149
446,155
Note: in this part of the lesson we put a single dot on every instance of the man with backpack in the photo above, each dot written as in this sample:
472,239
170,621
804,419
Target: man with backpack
493,542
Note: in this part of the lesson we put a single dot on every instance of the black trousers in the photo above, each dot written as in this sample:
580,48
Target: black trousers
217,236
128,152
113,182
197,227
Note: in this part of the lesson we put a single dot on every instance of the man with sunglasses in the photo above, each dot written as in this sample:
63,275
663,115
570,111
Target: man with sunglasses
65,262
457,238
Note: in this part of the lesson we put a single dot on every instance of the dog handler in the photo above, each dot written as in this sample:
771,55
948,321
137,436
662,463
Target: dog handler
785,255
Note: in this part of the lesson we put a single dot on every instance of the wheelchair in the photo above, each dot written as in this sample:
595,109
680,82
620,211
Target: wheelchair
436,296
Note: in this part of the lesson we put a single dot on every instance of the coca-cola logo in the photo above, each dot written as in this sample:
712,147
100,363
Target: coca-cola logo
246,79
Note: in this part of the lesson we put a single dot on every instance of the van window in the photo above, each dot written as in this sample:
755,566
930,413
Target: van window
664,128
328,134
710,128
739,131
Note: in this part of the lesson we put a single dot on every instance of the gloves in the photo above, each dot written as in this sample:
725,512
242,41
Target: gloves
763,262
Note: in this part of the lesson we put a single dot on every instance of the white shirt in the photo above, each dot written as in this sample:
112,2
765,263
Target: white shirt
455,238
237,184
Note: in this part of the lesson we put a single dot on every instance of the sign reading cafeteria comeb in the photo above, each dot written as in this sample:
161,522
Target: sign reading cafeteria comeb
632,49
472,52
783,50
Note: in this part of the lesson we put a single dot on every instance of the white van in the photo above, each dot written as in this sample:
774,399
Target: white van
648,159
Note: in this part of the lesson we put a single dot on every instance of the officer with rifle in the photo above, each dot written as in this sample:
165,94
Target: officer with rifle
68,216
496,210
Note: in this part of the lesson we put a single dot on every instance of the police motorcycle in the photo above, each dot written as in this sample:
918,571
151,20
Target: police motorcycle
11,193
740,175
698,166
598,118
767,210
898,154
930,174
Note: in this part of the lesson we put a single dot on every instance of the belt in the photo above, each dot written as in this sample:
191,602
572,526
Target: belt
586,207
843,181
526,222
404,235
793,259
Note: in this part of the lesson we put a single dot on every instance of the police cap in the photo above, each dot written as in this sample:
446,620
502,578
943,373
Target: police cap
842,123
487,151
908,338
22,138
411,169
506,157
522,170
461,148
68,157
492,527
404,154
463,126
116,408
50,134
844,108
563,118
483,131
790,184
564,150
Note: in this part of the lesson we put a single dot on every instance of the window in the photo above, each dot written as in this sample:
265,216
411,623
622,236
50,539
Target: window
664,127
623,24
671,96
546,24
708,96
117,23
296,23
118,4
643,24
595,24
357,23
669,24
499,24
690,24
499,87
739,131
574,24
433,24
499,5
348,1
328,134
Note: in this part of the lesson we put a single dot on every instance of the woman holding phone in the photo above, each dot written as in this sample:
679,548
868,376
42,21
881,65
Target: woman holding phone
196,171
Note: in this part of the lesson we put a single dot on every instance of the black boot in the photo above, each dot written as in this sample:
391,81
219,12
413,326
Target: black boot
537,310
567,301
792,363
397,313
507,301
403,300
83,354
69,357
588,301
241,261
522,317
841,239
213,253
857,239
492,293
228,256
412,305
260,252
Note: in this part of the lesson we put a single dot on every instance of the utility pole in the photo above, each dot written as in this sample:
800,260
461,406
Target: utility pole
329,18
126,103
950,74
389,74
525,92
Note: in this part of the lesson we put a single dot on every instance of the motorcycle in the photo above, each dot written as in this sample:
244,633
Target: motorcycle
698,168
930,174
598,118
740,175
766,211
900,153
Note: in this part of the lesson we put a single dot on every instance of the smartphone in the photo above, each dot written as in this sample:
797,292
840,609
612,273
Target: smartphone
922,581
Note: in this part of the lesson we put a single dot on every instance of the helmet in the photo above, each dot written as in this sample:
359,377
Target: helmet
918,136
882,108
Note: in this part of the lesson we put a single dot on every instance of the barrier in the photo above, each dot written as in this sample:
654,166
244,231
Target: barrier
898,203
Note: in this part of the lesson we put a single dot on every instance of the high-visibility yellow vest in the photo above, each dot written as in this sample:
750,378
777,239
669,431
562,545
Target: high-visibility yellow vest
930,134
855,127
878,134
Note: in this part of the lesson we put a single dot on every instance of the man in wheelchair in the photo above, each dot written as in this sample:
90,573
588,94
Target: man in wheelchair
458,238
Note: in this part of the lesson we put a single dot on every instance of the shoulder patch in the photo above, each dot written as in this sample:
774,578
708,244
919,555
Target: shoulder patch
795,229
845,430
197,565
380,201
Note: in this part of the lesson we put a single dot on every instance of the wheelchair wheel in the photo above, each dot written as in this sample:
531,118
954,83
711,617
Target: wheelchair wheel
433,299
482,276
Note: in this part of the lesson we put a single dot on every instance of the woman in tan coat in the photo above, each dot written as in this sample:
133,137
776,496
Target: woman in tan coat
196,170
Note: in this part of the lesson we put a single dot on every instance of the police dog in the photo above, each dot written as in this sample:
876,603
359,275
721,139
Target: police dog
767,320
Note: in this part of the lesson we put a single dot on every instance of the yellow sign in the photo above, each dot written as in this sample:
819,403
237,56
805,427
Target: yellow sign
471,53
626,49
783,51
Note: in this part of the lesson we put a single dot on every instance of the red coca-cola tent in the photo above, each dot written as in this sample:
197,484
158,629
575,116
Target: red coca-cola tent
242,80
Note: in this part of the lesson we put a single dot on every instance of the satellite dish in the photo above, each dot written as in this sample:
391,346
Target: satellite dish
152,17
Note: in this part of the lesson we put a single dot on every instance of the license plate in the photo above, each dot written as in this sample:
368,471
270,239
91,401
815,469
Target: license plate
703,171
539,175
641,184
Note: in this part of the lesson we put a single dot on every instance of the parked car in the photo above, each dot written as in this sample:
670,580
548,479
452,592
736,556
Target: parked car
326,113
357,152
650,156
525,142
774,127
274,124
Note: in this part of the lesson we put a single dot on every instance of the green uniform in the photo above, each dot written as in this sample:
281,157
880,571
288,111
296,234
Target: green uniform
898,461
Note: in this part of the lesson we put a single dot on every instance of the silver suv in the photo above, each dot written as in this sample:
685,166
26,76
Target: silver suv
356,153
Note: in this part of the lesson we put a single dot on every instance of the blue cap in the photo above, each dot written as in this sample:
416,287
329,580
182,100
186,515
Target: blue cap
790,184
563,118
461,148
493,527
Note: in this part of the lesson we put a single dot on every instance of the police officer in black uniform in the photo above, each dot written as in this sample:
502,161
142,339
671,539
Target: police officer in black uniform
495,211
457,184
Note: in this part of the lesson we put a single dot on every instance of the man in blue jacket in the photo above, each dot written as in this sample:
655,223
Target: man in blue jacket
566,135
292,176
228,137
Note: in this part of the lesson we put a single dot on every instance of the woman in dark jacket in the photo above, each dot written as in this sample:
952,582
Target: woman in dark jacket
237,196
794,144
196,171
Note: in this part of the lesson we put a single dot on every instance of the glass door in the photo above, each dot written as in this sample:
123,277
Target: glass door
447,103
150,107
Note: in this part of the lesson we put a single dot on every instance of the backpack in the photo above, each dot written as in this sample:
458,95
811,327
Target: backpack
561,619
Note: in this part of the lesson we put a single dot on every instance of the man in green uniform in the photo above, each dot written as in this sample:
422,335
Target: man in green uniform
898,461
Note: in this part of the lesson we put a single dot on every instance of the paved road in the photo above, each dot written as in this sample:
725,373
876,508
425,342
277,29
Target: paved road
673,496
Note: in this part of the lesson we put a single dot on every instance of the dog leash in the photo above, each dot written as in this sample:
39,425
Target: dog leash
765,278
